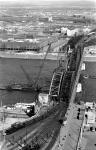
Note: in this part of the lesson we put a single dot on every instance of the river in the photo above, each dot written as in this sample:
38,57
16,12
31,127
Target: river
11,72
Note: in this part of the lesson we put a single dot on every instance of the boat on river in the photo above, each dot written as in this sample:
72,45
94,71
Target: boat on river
20,87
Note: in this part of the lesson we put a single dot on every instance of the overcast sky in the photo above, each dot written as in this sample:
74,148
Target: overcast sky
43,0
53,1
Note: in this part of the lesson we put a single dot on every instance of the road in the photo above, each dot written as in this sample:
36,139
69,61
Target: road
43,132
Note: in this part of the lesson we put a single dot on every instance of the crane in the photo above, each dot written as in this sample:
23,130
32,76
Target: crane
42,65
30,82
34,85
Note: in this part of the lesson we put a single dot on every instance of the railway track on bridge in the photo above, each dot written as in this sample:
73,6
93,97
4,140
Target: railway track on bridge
42,134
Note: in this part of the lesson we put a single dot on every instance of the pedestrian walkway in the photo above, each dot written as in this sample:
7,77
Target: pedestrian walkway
69,133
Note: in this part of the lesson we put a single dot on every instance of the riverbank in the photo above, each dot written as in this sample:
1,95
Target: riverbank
31,55
35,55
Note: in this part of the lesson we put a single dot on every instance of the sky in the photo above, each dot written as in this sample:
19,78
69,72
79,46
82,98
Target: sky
45,1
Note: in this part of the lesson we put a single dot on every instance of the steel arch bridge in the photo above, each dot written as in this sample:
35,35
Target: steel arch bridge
63,79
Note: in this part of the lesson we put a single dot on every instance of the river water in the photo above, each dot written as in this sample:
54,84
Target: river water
11,72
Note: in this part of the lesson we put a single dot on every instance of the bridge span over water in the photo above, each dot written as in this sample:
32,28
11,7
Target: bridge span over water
43,131
64,79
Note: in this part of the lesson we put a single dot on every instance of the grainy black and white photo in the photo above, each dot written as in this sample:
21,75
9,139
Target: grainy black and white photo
47,74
